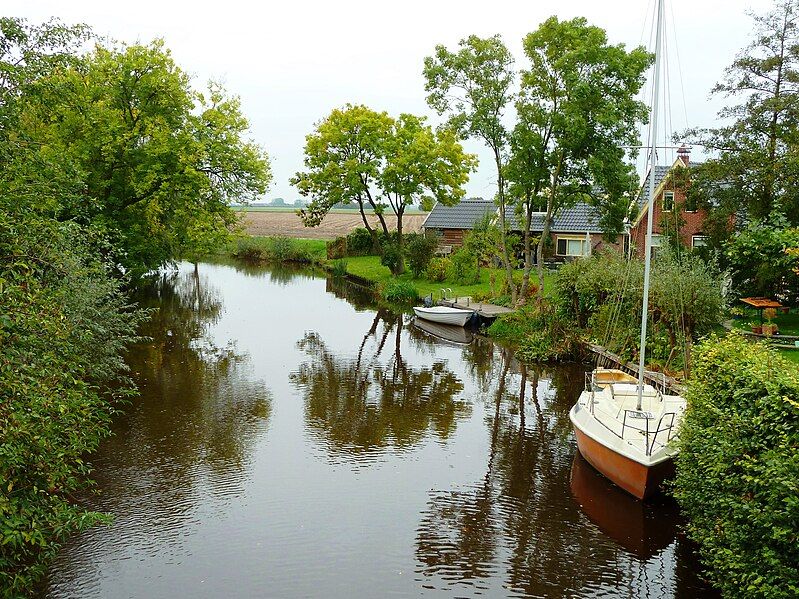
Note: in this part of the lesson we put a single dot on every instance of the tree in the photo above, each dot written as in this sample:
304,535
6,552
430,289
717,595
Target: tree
577,108
755,165
362,156
158,163
343,159
762,259
473,87
422,163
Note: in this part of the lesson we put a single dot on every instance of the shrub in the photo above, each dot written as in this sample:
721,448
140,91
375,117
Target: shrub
339,268
391,257
738,468
463,267
437,269
283,249
337,248
420,252
399,292
542,334
249,248
359,243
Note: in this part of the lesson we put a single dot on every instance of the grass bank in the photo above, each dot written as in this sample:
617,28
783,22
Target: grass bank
369,268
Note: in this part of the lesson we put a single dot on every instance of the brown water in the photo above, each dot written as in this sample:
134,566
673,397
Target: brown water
291,440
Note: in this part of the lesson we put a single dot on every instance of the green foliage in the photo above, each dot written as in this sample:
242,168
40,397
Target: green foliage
337,248
463,267
359,155
339,268
603,294
763,259
392,256
738,468
542,334
64,328
360,243
154,164
278,249
754,165
473,86
420,252
399,292
437,269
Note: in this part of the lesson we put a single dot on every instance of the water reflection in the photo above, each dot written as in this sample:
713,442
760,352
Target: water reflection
520,513
381,461
376,399
183,446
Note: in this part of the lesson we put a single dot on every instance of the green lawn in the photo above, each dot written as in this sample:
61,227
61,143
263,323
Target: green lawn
792,355
369,267
788,323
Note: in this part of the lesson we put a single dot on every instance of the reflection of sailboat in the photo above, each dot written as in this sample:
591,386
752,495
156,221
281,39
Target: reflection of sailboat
622,428
447,332
638,527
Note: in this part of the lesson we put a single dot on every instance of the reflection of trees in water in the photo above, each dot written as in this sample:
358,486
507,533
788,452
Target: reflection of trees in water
521,513
359,296
197,405
370,401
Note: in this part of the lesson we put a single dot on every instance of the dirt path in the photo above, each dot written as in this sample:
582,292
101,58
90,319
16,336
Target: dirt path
288,224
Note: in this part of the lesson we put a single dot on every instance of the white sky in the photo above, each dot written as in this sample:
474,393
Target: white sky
291,62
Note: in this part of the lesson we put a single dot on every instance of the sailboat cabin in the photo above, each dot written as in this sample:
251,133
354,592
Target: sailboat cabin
673,211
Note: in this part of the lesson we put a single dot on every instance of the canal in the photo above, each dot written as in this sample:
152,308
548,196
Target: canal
292,439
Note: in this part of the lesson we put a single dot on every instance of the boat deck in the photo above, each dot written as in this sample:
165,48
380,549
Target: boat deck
484,309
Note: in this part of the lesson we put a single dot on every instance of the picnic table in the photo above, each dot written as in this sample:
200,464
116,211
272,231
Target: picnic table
760,304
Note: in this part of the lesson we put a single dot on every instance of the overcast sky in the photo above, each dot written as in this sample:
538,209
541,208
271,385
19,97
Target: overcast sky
291,62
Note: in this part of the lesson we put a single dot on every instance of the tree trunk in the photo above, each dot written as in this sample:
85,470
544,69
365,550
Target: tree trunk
539,253
528,259
372,233
545,230
503,233
400,260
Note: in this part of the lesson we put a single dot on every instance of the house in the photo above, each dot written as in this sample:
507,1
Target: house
449,224
574,232
672,209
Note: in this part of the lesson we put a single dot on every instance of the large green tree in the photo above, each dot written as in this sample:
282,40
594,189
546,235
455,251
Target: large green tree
755,164
367,157
577,109
157,162
474,87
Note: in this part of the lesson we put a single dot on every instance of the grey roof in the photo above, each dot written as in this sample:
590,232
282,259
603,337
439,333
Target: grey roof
463,215
660,174
580,218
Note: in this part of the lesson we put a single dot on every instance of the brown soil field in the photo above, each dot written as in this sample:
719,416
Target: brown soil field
288,224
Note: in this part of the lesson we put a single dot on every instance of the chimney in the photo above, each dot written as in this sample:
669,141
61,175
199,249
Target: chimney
683,153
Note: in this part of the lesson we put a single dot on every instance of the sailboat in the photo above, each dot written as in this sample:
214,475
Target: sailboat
625,427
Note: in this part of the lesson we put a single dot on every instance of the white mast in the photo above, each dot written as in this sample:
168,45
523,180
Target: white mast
650,206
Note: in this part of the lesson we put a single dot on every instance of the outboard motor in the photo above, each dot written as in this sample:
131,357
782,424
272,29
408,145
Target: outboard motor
428,301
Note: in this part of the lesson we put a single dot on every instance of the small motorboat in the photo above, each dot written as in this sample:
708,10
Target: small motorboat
444,315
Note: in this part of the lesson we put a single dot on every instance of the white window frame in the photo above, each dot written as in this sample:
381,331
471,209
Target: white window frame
694,239
663,205
567,239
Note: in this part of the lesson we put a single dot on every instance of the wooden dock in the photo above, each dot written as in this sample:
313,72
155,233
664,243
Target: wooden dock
483,309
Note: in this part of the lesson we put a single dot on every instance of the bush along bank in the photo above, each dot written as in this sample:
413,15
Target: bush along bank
64,326
279,249
738,468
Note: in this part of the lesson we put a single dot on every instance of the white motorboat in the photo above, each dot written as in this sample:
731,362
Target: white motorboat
444,315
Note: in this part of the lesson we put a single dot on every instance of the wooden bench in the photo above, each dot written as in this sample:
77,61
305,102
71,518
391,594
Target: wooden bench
443,250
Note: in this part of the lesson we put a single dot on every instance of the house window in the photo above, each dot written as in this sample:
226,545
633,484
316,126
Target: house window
699,241
657,242
572,246
668,201
690,202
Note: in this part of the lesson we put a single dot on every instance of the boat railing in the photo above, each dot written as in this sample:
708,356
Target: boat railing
636,414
